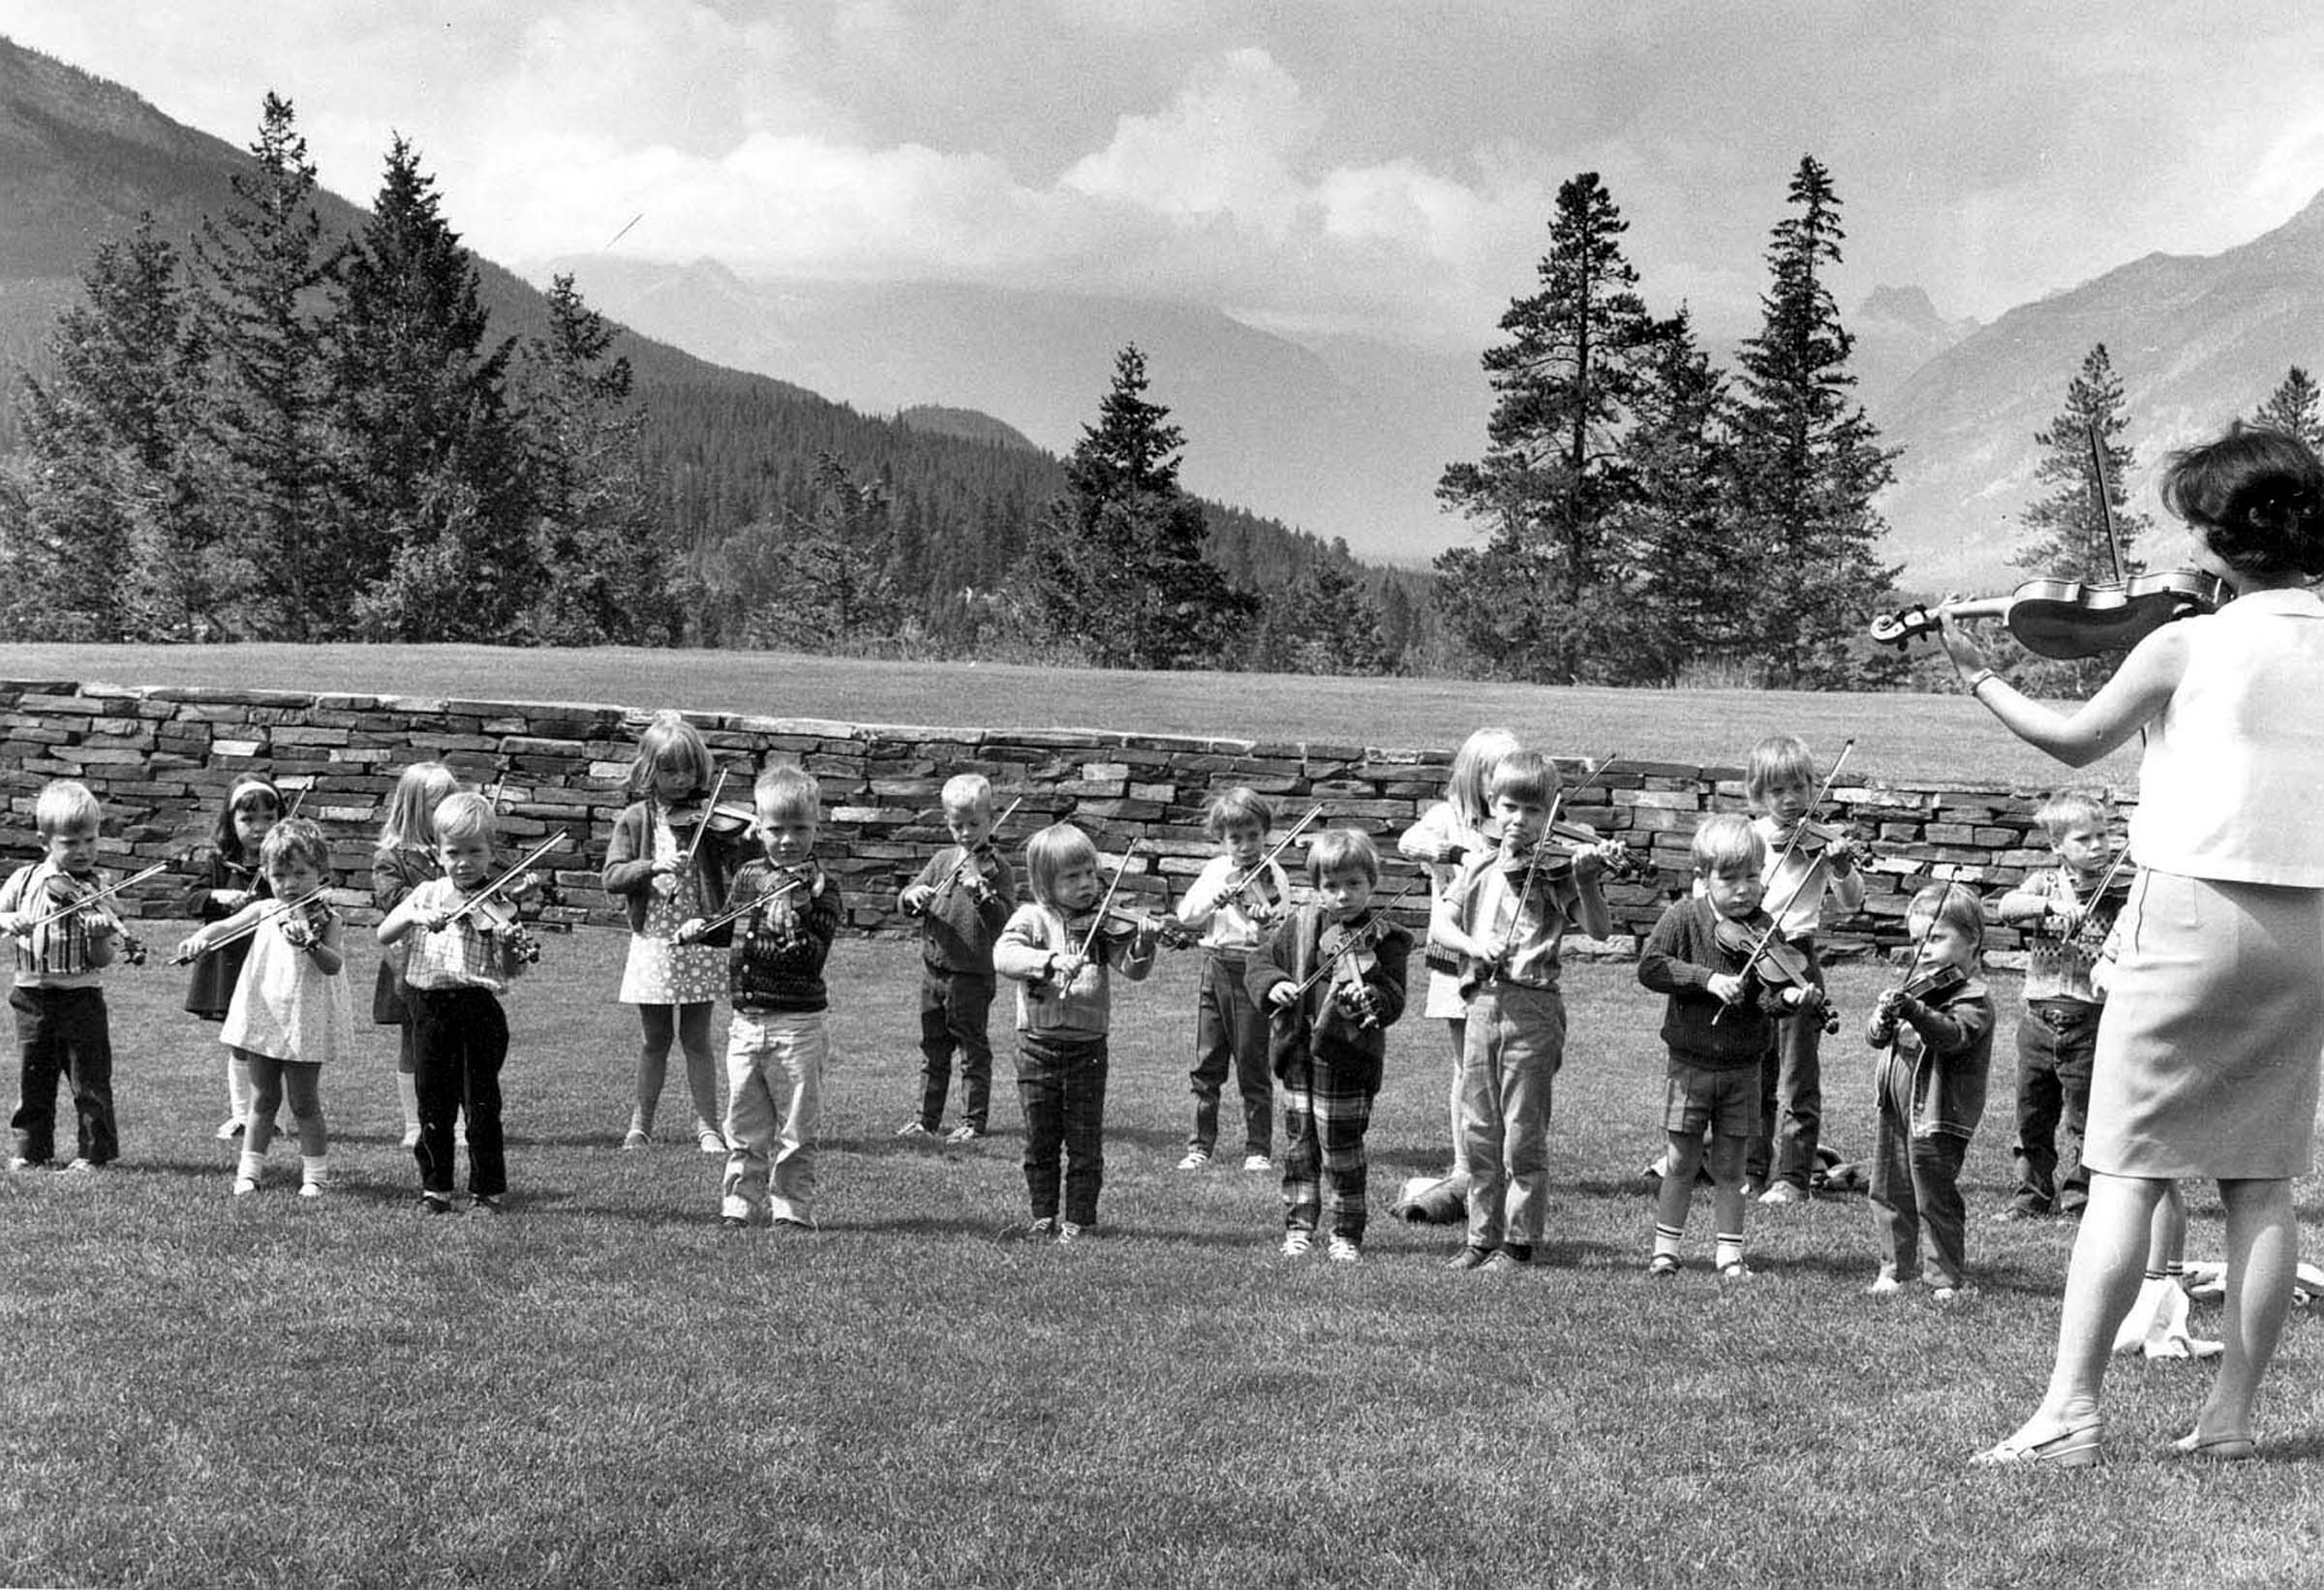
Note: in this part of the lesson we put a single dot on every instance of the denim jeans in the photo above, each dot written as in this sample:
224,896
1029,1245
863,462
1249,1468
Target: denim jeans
1061,1081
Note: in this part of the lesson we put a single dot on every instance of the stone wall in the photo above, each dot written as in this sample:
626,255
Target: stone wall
161,760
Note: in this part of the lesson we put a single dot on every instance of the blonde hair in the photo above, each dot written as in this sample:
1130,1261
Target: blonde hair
420,790
248,791
1727,842
1467,788
967,792
66,806
1241,803
299,839
1052,852
1957,907
1780,758
787,791
1337,848
669,741
2059,814
465,815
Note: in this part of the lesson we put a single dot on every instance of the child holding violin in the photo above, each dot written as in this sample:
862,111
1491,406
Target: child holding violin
1239,894
1061,951
290,1011
962,898
404,859
780,916
230,878
2066,911
64,939
1808,865
1937,1028
1506,914
1719,1018
465,947
1449,834
671,859
1330,978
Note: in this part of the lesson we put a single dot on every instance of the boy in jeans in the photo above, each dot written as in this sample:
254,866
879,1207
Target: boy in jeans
790,912
962,898
61,1027
1506,914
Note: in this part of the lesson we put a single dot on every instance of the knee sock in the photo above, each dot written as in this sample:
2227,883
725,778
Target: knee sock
249,1166
1729,1249
315,1170
1665,1241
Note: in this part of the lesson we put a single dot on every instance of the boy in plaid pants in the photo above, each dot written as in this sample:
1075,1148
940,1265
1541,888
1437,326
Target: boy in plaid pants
1331,978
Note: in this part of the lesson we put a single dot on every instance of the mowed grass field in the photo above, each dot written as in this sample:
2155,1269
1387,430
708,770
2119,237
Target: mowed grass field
604,1386
1898,737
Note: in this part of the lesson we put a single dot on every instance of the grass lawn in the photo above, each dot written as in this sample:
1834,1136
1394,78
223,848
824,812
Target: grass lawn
1898,737
604,1386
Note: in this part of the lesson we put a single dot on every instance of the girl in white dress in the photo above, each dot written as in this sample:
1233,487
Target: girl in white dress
290,1011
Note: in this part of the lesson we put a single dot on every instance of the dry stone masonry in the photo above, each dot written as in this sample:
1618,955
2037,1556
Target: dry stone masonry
162,758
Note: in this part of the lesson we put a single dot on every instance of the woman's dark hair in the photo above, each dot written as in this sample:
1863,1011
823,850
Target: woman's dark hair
2258,494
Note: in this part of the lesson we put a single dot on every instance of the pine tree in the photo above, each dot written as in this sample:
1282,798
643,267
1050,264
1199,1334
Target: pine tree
1542,598
1118,564
2292,408
603,569
430,472
1321,622
115,542
266,267
2067,530
830,588
1808,462
1694,581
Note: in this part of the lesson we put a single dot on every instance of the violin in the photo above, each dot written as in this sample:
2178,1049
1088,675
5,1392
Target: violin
496,918
69,897
1116,926
724,818
1812,838
1775,964
968,872
1934,983
2070,619
1344,954
2105,903
305,921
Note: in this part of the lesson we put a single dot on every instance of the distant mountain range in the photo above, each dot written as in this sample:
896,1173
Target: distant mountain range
1339,436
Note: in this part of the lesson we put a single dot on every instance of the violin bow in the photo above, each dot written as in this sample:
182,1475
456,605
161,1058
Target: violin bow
703,827
552,842
1589,778
1921,946
735,914
1098,921
274,908
94,896
1355,942
299,800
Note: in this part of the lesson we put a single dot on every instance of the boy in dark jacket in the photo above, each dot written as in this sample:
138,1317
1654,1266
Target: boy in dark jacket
789,914
1718,1023
1331,978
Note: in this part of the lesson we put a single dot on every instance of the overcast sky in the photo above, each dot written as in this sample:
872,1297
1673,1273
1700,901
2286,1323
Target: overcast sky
1327,164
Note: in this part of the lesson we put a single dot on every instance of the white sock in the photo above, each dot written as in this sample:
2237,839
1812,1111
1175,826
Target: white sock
250,1167
315,1167
1729,1249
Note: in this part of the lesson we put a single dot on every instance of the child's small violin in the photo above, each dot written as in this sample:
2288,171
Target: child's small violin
1777,965
1819,839
305,921
1934,983
1348,952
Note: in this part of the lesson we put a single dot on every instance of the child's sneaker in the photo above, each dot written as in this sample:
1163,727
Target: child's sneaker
17,1162
81,1166
1194,1160
1469,1257
1072,1230
312,1189
1735,1270
229,1129
735,1222
635,1138
489,1203
1885,1284
1662,1266
710,1140
795,1224
1257,1162
1298,1241
913,1128
1345,1251
436,1202
1509,1261
412,1136
245,1186
964,1132
1783,1192
1042,1230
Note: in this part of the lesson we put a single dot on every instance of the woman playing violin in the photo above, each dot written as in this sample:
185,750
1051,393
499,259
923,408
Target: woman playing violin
2207,1058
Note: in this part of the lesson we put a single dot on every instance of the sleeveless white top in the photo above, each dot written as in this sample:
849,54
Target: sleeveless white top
2233,776
285,1007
